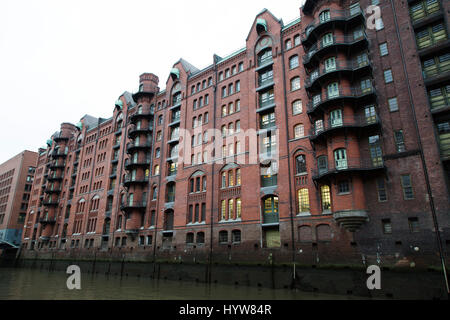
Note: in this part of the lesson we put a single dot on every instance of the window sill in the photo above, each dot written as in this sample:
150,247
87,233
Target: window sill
230,221
196,224
304,214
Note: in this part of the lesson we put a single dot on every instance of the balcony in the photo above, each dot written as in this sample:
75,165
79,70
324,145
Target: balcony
436,73
47,220
59,138
134,180
175,121
131,147
146,114
136,164
331,126
346,68
56,177
134,131
322,48
266,105
133,205
351,220
265,84
51,203
59,154
338,19
424,12
264,63
353,94
174,139
57,165
271,219
349,165
53,190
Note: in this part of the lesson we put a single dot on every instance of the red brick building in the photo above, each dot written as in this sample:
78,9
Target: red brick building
324,140
16,179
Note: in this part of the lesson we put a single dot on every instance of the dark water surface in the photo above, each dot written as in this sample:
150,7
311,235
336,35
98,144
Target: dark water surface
32,284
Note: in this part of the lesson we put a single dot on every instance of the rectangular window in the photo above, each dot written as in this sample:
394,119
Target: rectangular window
379,25
408,193
333,90
387,226
238,208
393,104
230,209
388,76
384,49
413,225
303,200
344,187
381,188
399,141
223,212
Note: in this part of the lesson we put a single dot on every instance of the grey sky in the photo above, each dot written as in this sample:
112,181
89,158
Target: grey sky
62,59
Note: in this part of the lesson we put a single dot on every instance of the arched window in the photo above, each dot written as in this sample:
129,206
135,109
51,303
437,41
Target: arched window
322,164
297,107
324,16
189,238
323,232
293,62
305,234
299,131
168,220
119,121
265,57
340,158
200,238
236,236
170,193
300,163
231,129
223,237
288,44
157,170
155,193
295,84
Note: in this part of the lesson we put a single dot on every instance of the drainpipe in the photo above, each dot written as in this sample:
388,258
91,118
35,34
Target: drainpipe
288,150
422,158
212,170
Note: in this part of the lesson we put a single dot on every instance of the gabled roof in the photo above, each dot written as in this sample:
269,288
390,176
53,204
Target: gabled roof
256,18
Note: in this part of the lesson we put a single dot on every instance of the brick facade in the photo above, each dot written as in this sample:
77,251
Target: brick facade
331,184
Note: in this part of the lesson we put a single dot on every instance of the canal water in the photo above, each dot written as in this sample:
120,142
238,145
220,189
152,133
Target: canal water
33,284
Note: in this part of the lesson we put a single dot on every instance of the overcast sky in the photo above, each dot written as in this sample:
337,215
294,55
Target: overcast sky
61,59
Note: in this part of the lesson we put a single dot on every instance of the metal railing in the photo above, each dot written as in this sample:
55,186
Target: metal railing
339,65
269,218
436,70
334,15
356,121
348,164
130,179
352,92
134,204
336,40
